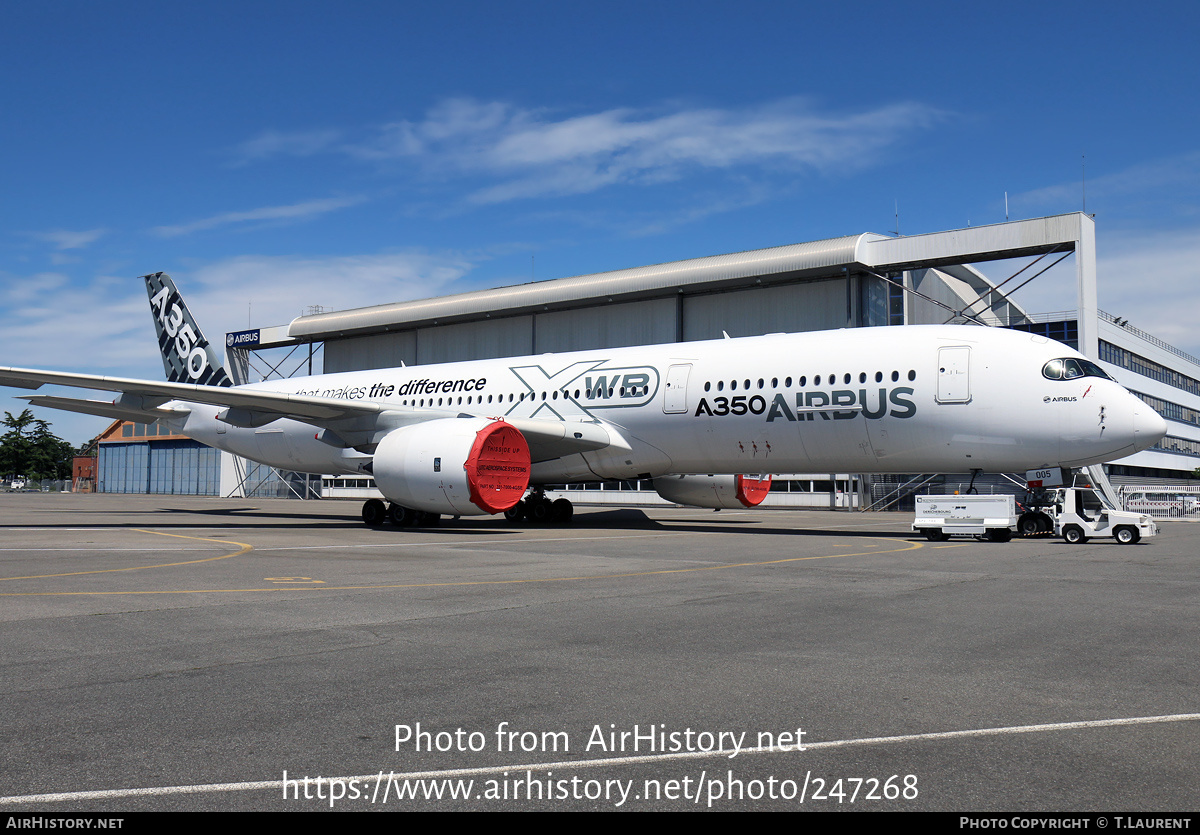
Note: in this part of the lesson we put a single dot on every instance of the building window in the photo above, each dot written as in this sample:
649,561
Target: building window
895,304
1066,331
1147,368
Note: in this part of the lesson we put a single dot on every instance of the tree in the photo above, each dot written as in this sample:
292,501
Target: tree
28,448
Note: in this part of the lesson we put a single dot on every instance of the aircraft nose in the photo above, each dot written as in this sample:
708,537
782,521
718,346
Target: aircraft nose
1148,426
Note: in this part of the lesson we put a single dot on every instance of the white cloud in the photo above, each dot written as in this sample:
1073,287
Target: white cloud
272,143
1149,276
67,239
277,289
46,321
102,325
1151,279
292,212
535,156
1161,176
534,153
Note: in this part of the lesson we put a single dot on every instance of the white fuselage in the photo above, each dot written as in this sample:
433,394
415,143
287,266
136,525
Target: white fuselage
901,399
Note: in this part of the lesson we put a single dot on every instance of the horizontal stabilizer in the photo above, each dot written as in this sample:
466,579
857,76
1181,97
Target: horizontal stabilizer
103,408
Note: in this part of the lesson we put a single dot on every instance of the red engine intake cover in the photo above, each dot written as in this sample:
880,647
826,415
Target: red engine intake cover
498,467
751,491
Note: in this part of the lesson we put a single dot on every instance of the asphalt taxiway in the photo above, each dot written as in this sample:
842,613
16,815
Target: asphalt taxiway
173,653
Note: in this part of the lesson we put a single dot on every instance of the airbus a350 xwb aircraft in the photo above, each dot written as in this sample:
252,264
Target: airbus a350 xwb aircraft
485,436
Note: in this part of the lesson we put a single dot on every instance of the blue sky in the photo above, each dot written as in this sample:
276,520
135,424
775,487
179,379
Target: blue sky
272,156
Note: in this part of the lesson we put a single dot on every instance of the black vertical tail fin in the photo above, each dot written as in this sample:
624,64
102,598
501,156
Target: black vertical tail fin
187,355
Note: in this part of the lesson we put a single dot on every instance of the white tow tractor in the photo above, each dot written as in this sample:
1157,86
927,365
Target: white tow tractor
992,517
1079,514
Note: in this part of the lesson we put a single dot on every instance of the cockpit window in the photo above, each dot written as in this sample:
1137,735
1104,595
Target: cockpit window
1070,368
1090,369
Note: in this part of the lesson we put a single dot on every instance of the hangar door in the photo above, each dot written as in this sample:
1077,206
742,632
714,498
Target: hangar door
954,379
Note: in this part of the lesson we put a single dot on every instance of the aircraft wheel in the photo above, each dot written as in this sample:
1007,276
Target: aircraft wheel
1127,535
401,517
539,512
374,512
936,535
1029,524
999,535
515,514
561,511
1074,535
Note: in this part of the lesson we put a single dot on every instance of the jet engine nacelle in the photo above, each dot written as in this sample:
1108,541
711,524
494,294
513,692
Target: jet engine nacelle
716,491
456,466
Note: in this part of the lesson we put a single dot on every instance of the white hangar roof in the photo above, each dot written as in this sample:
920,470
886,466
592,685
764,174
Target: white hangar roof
794,262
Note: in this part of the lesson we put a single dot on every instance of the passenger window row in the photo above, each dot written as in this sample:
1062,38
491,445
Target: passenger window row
802,382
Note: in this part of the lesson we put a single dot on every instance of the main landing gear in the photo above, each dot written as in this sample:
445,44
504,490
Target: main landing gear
539,510
534,508
375,514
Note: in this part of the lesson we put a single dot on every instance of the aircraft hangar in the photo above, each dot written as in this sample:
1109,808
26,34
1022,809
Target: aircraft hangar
836,283
859,280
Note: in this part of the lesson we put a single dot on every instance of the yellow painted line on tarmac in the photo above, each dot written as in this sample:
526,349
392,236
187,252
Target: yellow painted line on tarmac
245,549
454,543
909,546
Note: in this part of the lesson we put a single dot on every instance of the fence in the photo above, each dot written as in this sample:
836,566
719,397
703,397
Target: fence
1161,502
33,485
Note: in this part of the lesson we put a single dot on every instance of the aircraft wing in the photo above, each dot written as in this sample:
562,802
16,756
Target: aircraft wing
153,394
353,423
